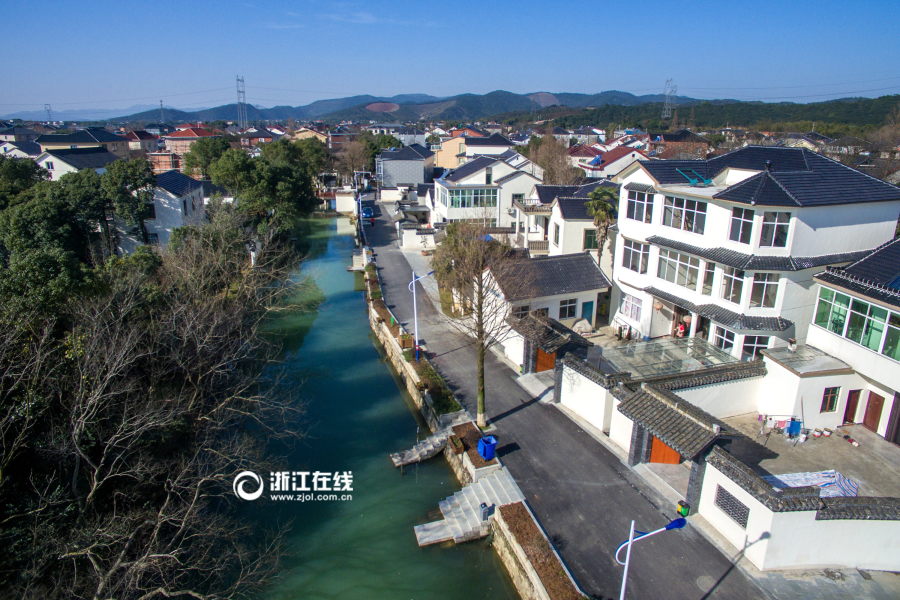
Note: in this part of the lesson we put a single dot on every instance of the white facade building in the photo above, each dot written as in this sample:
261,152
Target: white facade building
729,246
60,162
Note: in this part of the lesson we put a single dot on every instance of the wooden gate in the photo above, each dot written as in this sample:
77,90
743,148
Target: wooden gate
661,453
545,362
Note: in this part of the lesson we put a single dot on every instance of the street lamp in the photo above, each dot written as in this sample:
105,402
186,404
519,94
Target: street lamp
412,288
676,524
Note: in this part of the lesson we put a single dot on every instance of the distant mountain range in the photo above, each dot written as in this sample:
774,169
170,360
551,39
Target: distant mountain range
83,114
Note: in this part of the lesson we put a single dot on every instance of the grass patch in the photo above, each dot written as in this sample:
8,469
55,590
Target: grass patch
376,294
441,396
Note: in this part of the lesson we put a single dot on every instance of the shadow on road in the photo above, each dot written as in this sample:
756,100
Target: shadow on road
512,411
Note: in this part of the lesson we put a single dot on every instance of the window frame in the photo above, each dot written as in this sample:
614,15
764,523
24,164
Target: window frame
693,224
556,234
584,239
722,334
763,281
754,342
632,250
639,201
773,227
744,225
569,304
831,397
860,315
684,272
730,281
709,279
631,307
519,312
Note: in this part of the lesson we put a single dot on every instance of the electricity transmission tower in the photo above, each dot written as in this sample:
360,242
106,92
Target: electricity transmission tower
241,103
49,113
160,113
669,91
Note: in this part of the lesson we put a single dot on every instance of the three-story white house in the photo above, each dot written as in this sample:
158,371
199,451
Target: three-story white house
483,189
727,247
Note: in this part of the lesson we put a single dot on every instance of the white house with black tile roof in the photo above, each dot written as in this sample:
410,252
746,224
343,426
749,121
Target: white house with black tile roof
177,202
849,370
406,166
71,160
482,190
493,145
729,246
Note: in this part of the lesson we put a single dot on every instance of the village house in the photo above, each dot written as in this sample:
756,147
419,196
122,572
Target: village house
726,248
675,143
20,149
92,137
71,160
406,166
18,134
180,141
142,141
606,165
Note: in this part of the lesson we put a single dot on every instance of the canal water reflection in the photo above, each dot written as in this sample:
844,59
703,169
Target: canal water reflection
356,415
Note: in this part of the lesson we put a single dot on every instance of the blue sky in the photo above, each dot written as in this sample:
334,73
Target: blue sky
99,54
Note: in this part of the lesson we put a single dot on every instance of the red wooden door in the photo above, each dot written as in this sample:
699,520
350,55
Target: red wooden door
661,453
873,411
852,404
545,361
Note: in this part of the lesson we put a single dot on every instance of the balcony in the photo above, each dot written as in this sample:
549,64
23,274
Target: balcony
539,247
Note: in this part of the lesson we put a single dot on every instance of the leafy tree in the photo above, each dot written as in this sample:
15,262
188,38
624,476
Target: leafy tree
42,219
128,186
602,206
434,139
233,171
203,153
16,176
40,281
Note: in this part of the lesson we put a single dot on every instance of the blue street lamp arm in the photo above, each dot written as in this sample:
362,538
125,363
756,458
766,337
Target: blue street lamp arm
639,535
411,283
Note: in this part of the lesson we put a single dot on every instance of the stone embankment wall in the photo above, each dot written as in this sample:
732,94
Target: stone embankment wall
525,578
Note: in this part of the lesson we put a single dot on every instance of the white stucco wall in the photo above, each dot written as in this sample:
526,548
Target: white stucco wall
345,202
829,229
620,427
588,399
410,240
726,399
870,364
514,348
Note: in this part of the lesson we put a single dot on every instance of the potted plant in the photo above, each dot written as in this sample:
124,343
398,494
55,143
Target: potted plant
456,444
406,341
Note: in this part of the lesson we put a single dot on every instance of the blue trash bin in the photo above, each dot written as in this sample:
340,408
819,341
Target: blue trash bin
487,447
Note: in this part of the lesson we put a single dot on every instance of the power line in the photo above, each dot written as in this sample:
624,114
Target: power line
790,87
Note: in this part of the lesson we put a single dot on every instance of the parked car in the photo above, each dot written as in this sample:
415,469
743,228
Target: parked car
367,212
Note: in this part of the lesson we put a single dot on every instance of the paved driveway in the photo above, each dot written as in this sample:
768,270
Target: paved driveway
583,495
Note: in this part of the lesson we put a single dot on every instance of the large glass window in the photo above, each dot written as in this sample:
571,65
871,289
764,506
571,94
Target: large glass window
640,206
519,312
754,345
732,284
741,225
635,256
709,276
866,324
568,308
688,215
775,229
473,198
590,239
765,289
631,307
678,268
723,339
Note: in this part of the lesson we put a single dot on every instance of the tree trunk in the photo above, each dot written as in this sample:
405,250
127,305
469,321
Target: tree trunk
480,336
482,422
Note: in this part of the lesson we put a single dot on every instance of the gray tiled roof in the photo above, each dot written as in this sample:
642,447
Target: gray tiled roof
757,262
422,189
785,500
639,187
547,334
84,158
548,193
470,168
406,153
574,209
723,316
585,190
550,276
177,183
676,422
792,177
29,148
881,266
859,508
85,136
494,140
860,287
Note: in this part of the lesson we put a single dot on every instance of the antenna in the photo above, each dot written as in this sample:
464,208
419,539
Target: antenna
669,91
241,103
49,113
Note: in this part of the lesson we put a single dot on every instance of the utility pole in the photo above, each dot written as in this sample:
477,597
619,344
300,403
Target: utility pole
160,113
241,102
49,113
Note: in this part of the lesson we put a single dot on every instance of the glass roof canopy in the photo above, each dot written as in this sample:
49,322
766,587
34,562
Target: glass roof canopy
663,357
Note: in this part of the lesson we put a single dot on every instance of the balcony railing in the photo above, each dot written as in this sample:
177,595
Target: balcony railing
539,246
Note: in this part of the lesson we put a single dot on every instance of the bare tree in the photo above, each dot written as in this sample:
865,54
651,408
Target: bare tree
469,264
355,157
552,156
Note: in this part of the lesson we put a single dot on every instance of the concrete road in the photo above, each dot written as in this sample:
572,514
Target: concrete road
583,495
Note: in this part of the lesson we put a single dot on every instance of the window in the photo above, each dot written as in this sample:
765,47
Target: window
635,256
184,204
640,207
775,229
631,307
590,239
520,311
830,399
556,234
866,324
153,239
688,215
488,176
473,198
709,276
49,165
732,507
765,288
723,339
519,197
678,268
741,225
567,308
151,211
732,284
754,345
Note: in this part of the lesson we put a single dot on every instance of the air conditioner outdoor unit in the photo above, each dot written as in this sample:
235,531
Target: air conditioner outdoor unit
511,211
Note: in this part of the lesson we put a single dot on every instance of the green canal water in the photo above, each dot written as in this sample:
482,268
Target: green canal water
356,416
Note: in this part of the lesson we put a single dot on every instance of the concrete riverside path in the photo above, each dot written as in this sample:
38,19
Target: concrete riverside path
583,495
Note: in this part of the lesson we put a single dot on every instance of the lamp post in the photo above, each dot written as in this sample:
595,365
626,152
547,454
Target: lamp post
412,288
676,524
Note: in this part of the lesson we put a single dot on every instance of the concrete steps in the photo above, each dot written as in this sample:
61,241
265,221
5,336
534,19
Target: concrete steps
424,450
462,510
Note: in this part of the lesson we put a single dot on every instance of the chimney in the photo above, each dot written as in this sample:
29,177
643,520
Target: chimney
768,165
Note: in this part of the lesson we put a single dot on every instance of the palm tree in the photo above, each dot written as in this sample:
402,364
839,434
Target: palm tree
603,206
